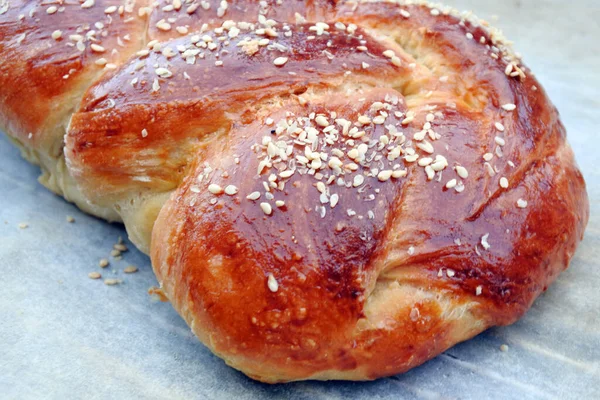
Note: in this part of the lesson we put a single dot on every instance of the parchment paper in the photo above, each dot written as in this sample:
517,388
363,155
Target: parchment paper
65,336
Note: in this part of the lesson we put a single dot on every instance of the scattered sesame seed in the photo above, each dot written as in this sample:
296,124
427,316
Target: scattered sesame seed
280,203
253,196
231,190
499,126
389,53
163,72
112,282
115,253
94,275
478,290
504,348
23,225
57,34
272,283
358,180
521,203
451,183
499,141
51,10
120,247
103,263
450,273
266,207
509,107
321,120
144,133
503,182
279,61
484,241
70,219
97,48
215,189
462,171
130,269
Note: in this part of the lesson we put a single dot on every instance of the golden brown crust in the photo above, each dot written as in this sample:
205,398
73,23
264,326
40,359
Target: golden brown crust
353,186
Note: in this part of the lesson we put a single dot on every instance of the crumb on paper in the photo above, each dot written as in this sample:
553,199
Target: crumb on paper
94,275
130,269
120,247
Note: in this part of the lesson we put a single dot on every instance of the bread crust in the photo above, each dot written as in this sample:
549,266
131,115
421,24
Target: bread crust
414,182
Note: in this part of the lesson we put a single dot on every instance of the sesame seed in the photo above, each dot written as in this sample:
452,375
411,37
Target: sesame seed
231,190
163,25
97,48
499,126
279,61
396,61
94,275
384,175
488,156
521,203
504,348
499,141
358,180
451,183
215,189
57,34
103,263
110,10
364,120
379,120
503,182
399,173
321,121
425,161
51,10
478,290
450,273
130,269
112,282
266,207
144,133
484,241
70,219
334,199
462,171
23,225
88,4
253,196
163,72
509,107
272,283
120,247
389,54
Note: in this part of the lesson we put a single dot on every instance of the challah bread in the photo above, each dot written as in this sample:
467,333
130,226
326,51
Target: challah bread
327,190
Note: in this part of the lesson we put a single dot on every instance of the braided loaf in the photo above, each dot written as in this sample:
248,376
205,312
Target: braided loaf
327,189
